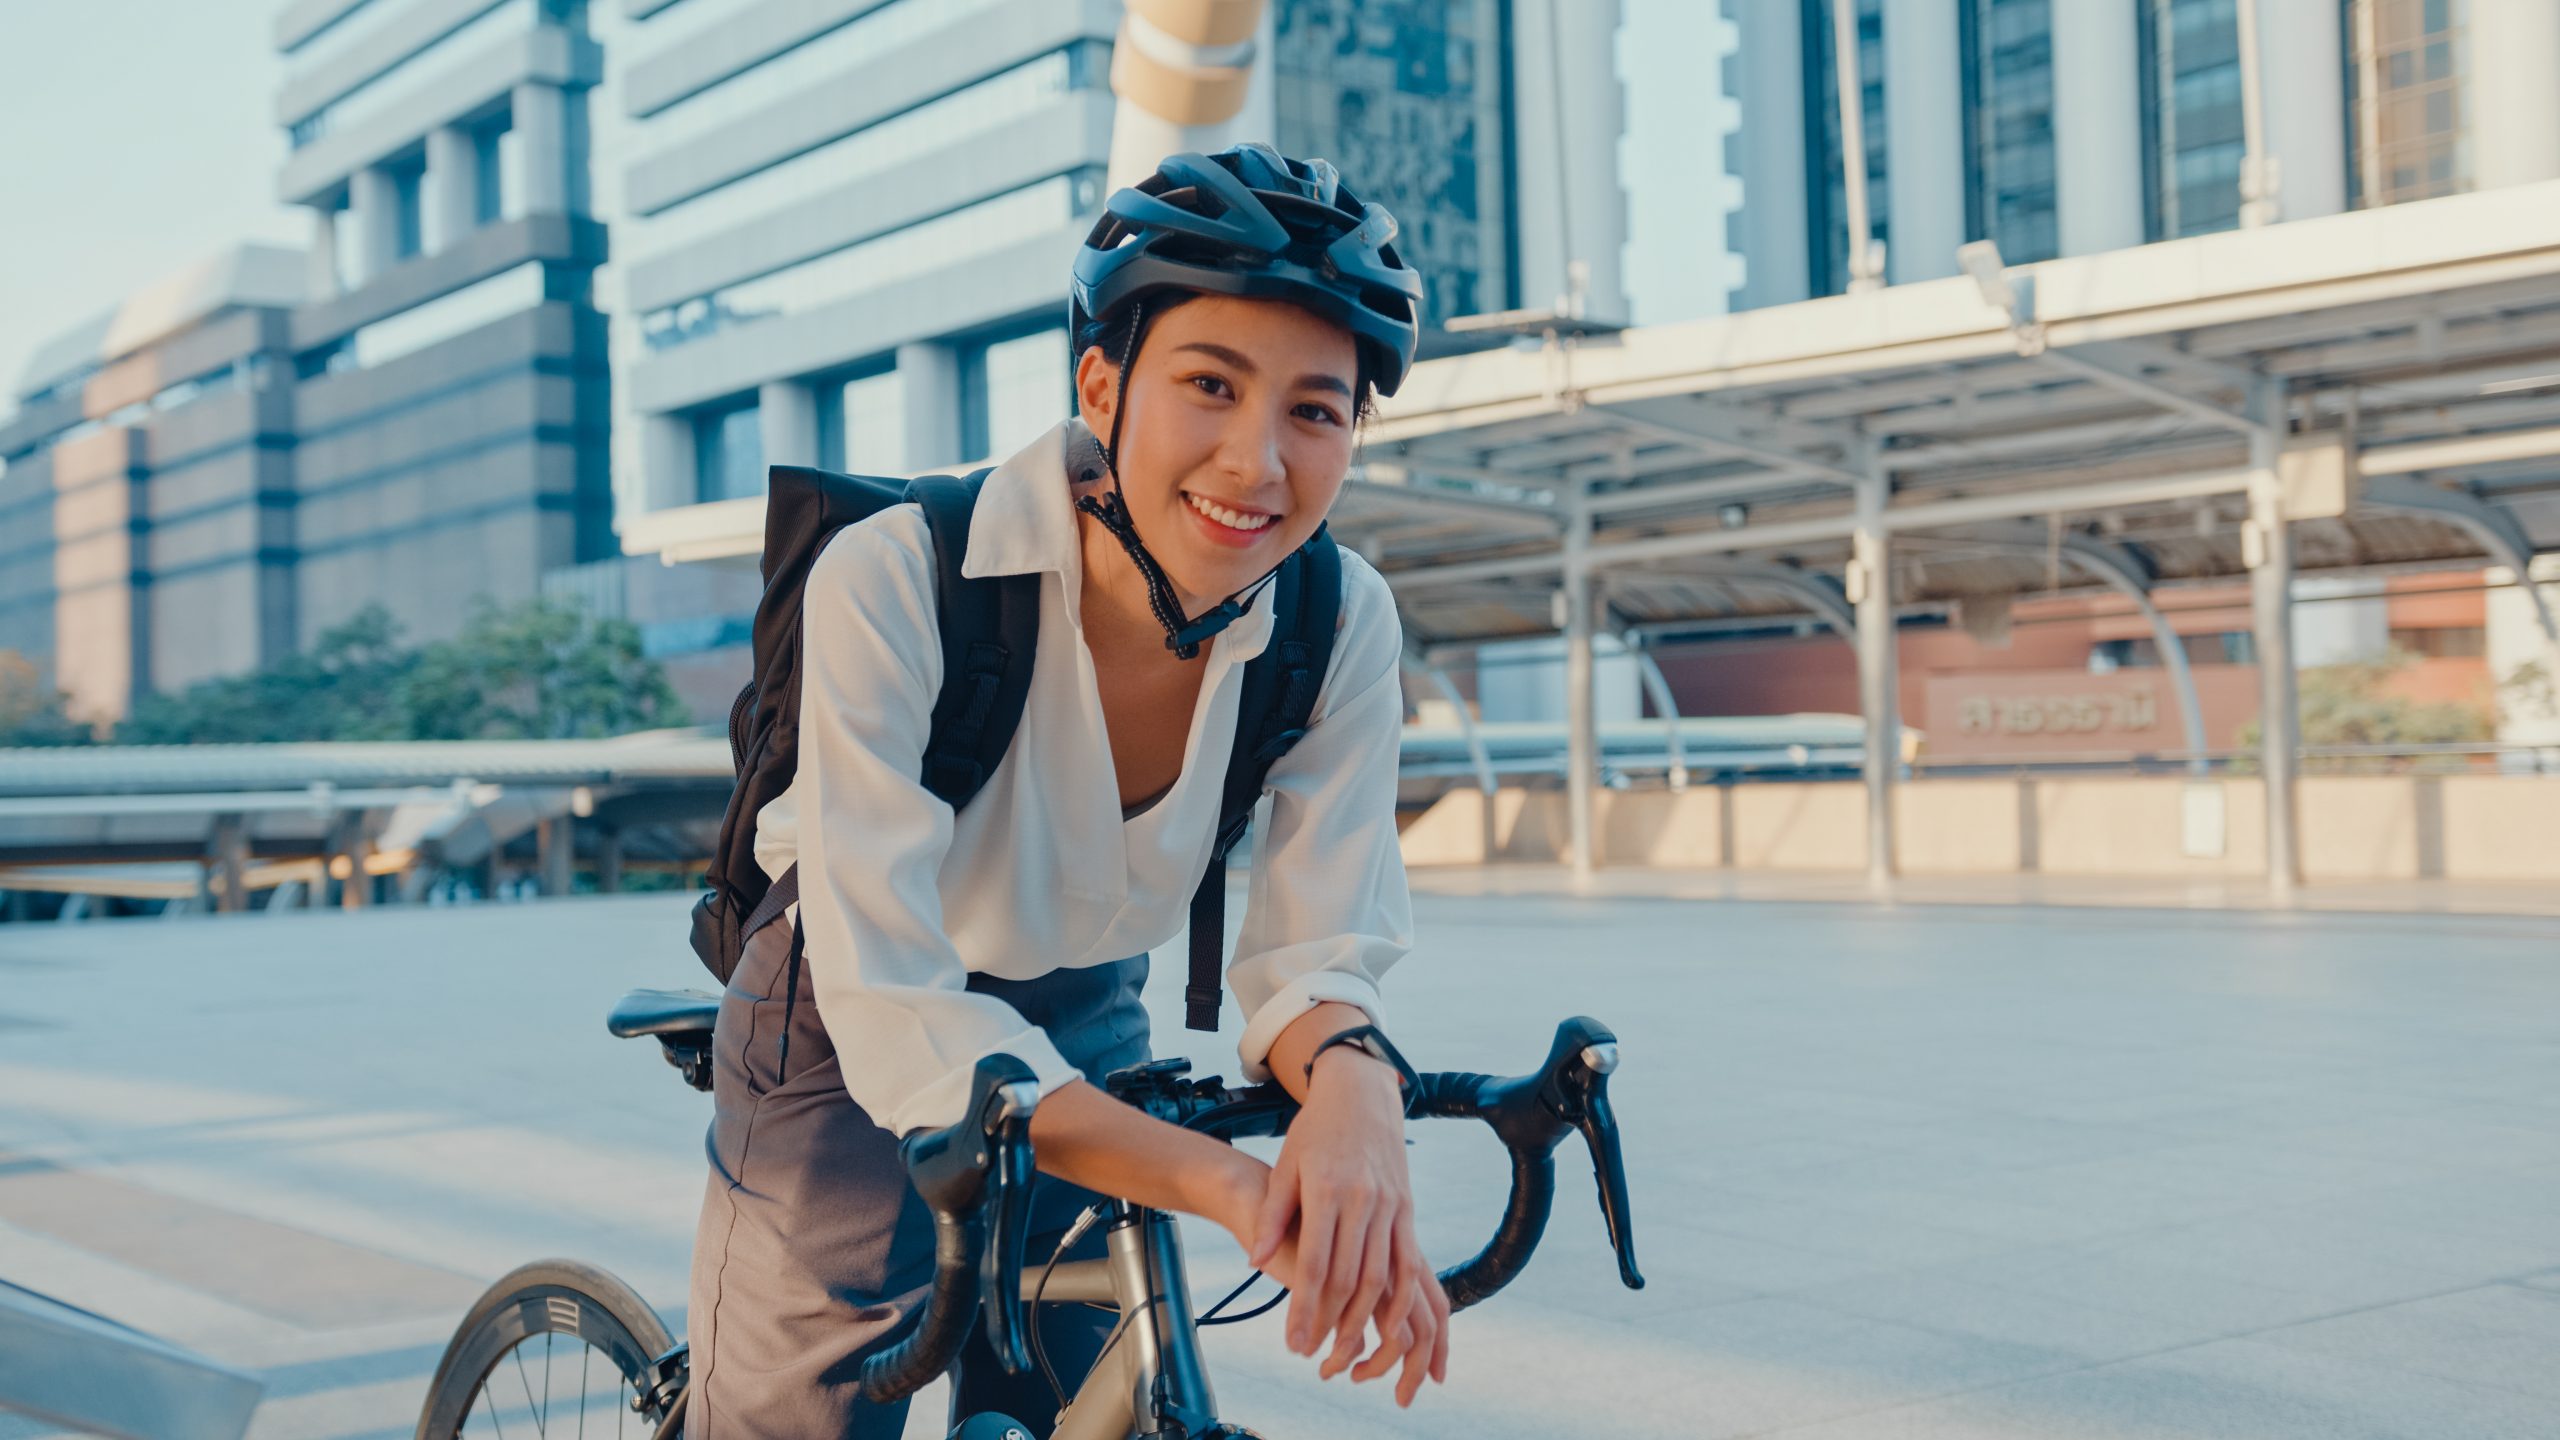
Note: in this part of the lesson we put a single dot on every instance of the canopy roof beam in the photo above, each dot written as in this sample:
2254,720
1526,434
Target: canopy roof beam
1719,430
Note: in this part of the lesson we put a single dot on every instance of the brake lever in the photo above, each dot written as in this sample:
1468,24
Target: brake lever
1010,1172
1585,1054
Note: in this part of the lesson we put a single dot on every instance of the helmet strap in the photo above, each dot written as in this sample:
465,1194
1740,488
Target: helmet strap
1182,635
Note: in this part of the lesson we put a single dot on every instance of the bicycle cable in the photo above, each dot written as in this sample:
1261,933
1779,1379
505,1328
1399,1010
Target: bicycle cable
1256,1313
1039,1351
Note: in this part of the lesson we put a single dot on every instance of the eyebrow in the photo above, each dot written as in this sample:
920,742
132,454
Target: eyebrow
1313,380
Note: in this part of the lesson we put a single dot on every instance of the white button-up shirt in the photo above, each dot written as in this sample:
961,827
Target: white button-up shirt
901,900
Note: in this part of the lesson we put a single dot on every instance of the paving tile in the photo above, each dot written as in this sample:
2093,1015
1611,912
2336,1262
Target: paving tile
1967,1300
2502,1336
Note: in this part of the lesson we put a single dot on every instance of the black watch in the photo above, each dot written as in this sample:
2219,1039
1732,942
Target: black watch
1371,1040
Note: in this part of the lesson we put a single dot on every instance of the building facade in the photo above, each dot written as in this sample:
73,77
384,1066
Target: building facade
849,222
146,488
452,394
2073,128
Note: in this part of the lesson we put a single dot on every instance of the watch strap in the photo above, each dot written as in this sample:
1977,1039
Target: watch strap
1372,1041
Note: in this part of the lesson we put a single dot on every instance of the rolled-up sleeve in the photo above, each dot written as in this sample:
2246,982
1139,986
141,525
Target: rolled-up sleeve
1328,911
890,988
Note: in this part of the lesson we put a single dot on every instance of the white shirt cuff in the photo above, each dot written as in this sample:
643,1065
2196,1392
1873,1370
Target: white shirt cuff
947,1098
1295,999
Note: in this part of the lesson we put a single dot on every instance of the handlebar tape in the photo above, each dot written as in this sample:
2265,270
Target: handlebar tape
943,1325
1524,1221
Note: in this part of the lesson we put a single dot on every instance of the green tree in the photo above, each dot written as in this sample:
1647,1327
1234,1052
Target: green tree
542,670
537,670
31,711
346,687
2351,704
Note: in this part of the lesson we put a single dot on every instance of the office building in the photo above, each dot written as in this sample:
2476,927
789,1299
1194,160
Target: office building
451,384
2070,127
146,491
850,221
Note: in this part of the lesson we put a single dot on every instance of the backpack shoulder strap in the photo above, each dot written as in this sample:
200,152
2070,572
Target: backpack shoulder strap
990,631
1273,711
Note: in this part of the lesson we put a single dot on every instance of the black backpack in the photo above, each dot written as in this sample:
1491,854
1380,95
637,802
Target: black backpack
990,629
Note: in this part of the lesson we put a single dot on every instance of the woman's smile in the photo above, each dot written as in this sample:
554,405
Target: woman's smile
1240,526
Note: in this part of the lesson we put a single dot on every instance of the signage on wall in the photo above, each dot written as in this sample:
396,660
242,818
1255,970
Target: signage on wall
2083,713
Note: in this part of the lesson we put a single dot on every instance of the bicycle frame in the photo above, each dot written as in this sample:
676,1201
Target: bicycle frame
1152,1371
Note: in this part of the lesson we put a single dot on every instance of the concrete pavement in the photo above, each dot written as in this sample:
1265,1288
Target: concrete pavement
1899,1171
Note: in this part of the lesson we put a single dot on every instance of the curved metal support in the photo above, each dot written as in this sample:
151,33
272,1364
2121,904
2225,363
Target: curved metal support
1820,593
2131,575
1658,686
2495,529
1477,756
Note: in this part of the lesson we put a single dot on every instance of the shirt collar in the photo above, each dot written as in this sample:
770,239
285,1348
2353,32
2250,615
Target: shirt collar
1025,523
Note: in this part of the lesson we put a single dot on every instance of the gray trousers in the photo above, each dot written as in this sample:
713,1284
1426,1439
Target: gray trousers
813,1247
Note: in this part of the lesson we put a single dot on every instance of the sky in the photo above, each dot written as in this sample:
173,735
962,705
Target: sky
141,142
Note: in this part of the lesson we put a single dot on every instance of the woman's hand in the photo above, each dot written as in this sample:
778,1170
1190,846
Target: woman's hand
1340,1191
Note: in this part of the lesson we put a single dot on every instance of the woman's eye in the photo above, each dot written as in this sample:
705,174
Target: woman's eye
1321,413
1210,384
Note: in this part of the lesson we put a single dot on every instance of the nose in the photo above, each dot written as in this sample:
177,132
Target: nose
1249,450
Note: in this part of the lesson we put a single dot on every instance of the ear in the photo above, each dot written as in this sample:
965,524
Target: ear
1097,389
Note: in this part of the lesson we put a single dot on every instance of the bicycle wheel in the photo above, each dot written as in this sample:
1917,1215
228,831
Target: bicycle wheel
555,1343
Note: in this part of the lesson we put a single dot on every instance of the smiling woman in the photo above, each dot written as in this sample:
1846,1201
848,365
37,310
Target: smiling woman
1231,317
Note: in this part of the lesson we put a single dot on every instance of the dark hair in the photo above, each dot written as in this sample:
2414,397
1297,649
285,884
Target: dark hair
1111,332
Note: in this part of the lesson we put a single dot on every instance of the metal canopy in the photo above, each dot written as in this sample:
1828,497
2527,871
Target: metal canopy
2425,336
2365,392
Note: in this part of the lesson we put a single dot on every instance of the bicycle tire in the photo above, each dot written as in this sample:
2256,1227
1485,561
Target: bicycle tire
548,1298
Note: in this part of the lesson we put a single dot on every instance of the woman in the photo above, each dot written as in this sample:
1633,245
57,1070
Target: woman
1232,315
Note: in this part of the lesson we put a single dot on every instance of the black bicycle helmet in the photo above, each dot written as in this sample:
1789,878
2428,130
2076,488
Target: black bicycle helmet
1250,222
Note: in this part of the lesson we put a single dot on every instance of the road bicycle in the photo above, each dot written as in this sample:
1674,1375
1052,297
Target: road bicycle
563,1343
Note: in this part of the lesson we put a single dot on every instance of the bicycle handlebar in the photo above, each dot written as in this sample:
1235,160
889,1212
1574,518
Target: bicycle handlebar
1531,1114
976,1175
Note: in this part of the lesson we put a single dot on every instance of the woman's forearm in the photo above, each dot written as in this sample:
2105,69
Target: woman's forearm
1083,1136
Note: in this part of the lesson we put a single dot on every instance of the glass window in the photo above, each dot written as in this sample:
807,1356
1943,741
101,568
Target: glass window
2191,115
436,321
2408,131
1012,390
862,425
1827,182
414,72
408,211
881,261
728,452
900,138
2450,642
2008,83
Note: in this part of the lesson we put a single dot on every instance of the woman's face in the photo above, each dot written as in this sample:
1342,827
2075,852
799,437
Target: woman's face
1238,435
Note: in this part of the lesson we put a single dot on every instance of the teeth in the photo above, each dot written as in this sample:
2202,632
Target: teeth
1232,519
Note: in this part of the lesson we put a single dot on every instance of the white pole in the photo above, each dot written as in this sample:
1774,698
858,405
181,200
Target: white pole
2268,548
1582,735
2257,171
1871,589
1864,273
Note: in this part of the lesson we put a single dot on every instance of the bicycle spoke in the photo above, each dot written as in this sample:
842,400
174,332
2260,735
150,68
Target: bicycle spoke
584,1356
544,1426
521,1379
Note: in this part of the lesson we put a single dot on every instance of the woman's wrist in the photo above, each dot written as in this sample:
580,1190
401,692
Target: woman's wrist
1354,1071
1228,1190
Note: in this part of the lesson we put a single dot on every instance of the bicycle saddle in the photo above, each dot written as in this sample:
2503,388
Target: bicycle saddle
663,1012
